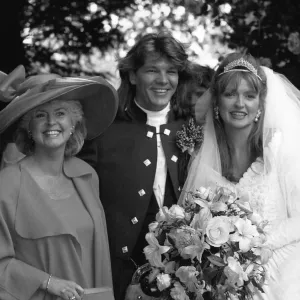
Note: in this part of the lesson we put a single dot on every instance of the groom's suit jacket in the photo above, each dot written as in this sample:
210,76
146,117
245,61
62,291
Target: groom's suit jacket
124,158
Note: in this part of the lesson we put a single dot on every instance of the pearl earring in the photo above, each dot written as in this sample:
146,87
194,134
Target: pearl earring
257,116
216,110
72,130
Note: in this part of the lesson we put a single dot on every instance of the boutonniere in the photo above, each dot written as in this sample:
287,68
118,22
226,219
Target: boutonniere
189,137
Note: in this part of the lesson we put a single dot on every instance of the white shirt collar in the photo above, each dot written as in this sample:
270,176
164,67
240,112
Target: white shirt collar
156,115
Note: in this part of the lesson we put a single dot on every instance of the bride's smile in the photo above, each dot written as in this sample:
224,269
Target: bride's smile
239,105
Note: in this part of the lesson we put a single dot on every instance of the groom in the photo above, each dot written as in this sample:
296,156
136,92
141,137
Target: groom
137,159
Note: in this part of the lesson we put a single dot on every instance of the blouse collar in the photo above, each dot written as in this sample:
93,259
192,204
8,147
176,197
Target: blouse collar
72,167
75,167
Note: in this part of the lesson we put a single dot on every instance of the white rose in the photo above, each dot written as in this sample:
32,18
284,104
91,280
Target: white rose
176,212
217,231
163,281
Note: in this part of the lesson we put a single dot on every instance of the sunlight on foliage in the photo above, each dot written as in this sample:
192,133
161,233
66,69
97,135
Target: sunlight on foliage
74,37
71,43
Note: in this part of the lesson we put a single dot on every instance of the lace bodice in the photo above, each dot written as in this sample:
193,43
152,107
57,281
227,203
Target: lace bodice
263,193
254,184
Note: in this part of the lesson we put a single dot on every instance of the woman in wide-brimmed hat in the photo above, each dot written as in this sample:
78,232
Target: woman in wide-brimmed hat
52,225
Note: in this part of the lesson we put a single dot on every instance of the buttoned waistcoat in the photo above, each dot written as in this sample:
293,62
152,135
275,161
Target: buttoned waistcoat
125,159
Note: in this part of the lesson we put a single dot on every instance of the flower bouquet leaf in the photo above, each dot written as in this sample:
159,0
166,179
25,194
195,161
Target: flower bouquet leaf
211,247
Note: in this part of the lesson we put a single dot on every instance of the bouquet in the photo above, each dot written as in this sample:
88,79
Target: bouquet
211,247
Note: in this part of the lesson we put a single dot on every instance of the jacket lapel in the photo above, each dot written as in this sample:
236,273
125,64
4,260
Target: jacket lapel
93,205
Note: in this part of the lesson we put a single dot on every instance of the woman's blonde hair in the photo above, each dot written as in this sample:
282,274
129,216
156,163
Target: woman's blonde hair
25,142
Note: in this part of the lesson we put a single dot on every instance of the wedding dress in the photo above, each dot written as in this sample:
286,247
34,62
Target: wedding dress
264,198
272,182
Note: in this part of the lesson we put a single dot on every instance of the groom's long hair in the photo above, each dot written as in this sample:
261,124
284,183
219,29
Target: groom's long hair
161,45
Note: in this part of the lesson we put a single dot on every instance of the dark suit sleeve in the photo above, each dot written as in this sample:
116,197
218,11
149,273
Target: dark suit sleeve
89,153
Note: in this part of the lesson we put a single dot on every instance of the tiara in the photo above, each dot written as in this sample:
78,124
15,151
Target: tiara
241,62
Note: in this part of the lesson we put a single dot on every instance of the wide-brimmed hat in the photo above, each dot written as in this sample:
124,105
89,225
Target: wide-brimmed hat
98,98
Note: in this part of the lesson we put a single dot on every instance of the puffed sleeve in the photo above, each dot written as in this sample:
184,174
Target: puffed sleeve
286,231
18,280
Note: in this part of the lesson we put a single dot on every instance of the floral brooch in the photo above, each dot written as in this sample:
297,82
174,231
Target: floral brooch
189,137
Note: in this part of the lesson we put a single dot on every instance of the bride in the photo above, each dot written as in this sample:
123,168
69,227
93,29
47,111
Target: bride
251,145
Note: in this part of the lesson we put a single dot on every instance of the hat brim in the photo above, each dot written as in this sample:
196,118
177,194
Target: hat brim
98,98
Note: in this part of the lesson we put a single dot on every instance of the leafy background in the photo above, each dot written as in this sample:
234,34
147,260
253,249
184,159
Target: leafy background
72,37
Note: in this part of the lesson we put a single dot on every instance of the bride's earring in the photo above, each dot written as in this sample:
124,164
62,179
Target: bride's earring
217,113
257,116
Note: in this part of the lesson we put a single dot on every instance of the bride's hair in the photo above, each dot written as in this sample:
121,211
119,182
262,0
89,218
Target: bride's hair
218,86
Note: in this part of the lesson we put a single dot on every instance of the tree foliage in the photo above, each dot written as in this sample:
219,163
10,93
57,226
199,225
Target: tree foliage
70,36
57,33
65,35
197,32
267,29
